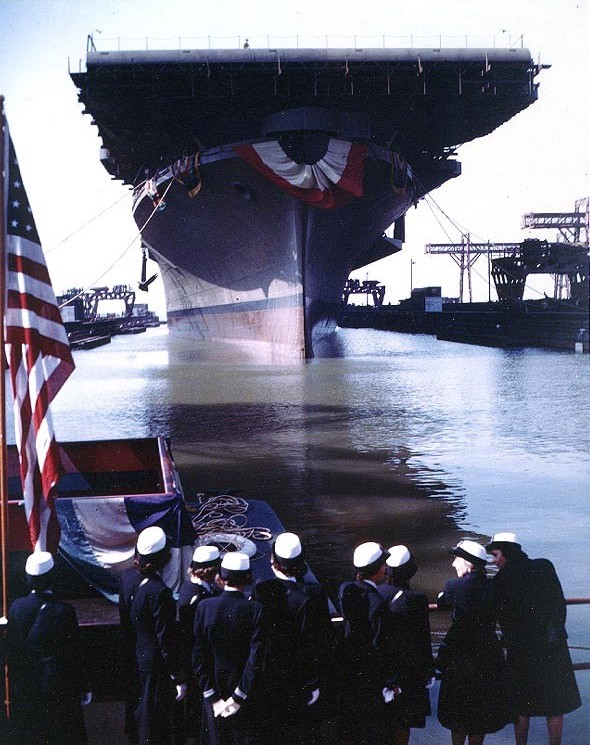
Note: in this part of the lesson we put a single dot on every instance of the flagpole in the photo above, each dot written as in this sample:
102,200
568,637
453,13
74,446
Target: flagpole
3,367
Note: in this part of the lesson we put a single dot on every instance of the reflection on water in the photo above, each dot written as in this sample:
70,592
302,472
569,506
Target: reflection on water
391,437
387,436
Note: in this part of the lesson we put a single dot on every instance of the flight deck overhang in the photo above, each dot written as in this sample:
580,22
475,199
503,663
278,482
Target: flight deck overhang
152,107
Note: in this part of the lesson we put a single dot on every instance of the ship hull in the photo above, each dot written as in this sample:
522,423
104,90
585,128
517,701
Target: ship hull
253,257
244,261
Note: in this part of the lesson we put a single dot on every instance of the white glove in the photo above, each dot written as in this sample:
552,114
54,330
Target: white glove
431,682
315,694
181,690
218,706
3,621
231,708
86,698
390,693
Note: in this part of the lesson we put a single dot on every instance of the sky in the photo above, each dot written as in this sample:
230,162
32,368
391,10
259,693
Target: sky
536,162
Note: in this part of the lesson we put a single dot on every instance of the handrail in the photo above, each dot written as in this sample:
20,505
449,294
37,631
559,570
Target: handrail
568,601
412,41
338,620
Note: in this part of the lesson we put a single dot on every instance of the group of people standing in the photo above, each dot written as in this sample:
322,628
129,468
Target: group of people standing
237,663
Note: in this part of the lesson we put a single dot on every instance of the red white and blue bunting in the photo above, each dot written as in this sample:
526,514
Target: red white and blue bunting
330,182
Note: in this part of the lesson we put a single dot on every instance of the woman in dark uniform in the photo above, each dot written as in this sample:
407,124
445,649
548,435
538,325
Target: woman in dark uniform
147,604
297,633
472,697
527,599
48,676
227,658
201,584
368,657
411,613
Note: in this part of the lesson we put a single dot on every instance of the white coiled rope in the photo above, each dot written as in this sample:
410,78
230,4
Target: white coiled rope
222,520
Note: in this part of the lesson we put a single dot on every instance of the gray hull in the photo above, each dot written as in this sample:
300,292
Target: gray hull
244,261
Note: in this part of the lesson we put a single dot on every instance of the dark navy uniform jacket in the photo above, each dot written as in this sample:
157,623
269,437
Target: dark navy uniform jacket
189,597
411,609
370,632
153,614
48,673
227,652
307,609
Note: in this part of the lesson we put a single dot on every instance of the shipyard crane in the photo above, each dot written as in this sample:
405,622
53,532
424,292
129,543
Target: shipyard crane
366,287
573,228
509,264
466,253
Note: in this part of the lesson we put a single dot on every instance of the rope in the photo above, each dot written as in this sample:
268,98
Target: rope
225,513
116,261
84,225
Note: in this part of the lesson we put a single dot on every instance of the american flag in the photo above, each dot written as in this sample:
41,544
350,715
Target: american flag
38,355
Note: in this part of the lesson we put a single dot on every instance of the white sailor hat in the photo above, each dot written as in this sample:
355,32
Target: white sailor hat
151,540
398,556
470,551
287,546
367,554
235,561
500,538
205,556
38,563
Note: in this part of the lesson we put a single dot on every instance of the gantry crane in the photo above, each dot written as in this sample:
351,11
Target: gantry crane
509,264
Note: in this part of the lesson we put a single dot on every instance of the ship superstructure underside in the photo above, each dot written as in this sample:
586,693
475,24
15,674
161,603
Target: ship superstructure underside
268,182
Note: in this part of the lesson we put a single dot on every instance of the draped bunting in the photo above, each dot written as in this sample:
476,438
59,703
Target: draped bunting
333,180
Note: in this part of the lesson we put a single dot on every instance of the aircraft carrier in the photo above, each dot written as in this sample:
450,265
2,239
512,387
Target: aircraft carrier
264,177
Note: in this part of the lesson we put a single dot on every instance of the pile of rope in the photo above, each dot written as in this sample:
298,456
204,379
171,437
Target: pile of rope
224,513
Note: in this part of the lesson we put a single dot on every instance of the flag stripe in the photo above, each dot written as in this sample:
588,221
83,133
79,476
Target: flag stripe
33,269
38,355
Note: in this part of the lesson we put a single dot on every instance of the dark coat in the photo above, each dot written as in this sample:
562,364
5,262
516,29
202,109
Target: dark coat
227,661
472,696
47,672
146,605
410,610
368,660
128,584
527,599
297,631
189,597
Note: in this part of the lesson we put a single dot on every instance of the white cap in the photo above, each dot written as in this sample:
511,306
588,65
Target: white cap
38,563
151,540
287,546
366,554
470,550
398,556
234,561
206,555
505,538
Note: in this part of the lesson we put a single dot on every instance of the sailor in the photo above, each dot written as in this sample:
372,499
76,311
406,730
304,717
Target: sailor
368,657
527,599
48,677
147,605
297,632
227,657
201,584
410,609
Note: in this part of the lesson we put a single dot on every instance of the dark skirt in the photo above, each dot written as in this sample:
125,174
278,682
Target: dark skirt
542,681
473,695
411,707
